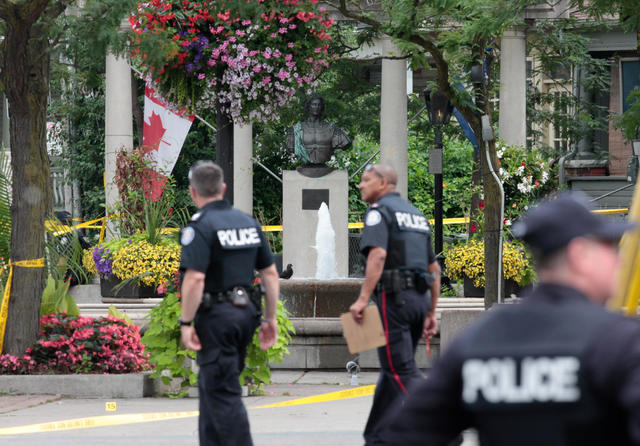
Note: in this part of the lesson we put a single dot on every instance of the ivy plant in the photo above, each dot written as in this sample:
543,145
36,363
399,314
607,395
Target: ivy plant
257,370
162,340
169,358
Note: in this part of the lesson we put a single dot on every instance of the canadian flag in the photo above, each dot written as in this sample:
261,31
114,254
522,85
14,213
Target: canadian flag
163,136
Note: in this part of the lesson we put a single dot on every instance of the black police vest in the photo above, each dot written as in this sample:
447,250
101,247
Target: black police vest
409,234
234,239
524,381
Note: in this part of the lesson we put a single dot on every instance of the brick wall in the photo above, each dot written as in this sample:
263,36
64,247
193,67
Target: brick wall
619,151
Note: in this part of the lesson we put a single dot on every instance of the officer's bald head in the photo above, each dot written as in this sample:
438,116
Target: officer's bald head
206,178
387,172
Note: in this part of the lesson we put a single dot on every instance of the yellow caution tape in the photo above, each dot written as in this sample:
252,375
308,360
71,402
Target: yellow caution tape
115,420
4,308
332,396
99,421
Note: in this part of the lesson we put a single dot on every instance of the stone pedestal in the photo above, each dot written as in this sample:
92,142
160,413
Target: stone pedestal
301,199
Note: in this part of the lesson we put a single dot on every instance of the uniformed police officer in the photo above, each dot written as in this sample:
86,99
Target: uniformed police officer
556,369
221,248
403,277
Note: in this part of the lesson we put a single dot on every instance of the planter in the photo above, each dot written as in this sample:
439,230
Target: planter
129,291
510,287
470,290
127,385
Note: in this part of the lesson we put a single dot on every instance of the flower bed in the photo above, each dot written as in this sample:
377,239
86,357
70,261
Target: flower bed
70,344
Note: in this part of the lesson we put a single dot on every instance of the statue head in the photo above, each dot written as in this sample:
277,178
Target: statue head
310,99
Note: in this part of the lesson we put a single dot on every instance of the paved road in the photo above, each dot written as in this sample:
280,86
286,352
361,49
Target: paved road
318,423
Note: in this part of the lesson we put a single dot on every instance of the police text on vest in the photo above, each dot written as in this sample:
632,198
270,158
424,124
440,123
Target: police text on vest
543,379
411,221
238,237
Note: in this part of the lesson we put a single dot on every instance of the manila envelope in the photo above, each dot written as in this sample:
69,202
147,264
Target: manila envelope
365,336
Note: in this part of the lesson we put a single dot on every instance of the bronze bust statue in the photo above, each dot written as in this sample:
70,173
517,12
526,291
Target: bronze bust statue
313,141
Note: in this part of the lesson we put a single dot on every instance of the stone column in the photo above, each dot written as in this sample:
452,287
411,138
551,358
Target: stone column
118,121
394,132
243,168
513,87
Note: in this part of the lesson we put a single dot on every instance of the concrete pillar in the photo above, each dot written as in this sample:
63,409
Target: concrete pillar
513,88
118,121
243,168
394,132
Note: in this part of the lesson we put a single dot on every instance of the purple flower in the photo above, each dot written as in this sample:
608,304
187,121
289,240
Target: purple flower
103,261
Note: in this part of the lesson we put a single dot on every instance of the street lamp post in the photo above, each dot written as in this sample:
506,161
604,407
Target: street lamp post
439,114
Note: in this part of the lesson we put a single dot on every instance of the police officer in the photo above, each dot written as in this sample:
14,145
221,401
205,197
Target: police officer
556,369
403,277
221,248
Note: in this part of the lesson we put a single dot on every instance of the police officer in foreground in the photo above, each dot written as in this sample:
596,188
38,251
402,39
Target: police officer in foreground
403,277
556,369
221,248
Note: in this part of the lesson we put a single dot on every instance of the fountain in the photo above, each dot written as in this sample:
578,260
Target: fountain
326,294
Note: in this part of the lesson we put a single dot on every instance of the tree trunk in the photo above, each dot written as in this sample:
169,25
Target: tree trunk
224,150
492,215
25,78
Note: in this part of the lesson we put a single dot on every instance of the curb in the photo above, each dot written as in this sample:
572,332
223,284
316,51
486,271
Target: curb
128,385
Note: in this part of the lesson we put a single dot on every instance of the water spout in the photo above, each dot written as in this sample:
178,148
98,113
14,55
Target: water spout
325,246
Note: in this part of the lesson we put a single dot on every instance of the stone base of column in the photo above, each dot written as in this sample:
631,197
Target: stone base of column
301,199
586,168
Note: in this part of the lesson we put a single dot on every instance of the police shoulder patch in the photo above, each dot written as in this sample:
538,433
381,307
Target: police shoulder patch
187,236
373,218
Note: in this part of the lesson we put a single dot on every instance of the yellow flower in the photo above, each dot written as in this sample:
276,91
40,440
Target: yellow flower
468,260
149,264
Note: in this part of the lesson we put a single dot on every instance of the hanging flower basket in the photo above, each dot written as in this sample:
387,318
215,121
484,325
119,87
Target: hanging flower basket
246,63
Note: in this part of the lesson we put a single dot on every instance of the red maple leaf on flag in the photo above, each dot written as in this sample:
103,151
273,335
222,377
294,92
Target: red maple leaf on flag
152,132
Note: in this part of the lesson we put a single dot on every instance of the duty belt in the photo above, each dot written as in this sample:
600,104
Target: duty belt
237,296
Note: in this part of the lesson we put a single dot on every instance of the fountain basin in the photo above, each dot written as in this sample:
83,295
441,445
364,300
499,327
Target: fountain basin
319,298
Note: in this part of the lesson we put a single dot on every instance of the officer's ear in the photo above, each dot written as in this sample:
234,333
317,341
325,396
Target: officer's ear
224,189
192,192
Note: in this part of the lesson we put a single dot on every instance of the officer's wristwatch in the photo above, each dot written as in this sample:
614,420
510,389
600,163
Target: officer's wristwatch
184,323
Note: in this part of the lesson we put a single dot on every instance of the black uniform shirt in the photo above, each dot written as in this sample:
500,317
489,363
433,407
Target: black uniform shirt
582,364
225,244
380,220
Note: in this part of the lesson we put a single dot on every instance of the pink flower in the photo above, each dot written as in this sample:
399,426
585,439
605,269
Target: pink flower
257,69
282,30
290,44
266,80
283,74
200,76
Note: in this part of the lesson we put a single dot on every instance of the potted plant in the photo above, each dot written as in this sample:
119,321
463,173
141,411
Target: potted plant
147,253
465,261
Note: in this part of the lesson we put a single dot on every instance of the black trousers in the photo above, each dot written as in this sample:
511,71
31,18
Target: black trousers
225,332
398,369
